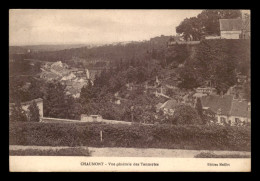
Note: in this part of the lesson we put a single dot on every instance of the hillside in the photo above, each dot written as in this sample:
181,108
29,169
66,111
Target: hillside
42,48
183,65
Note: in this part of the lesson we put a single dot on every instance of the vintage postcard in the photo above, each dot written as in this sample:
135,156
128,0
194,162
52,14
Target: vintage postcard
94,90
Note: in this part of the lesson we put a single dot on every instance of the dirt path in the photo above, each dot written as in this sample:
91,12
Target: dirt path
136,152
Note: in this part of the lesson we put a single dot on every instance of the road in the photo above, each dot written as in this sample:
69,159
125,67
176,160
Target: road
137,152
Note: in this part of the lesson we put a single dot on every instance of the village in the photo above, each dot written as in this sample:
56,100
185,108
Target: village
231,108
181,94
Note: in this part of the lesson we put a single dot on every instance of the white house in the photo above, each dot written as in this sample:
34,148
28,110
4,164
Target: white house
227,109
230,28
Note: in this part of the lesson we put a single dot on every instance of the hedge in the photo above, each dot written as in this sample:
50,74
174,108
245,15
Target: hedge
196,137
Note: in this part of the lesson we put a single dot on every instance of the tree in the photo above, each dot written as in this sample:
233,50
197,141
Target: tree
17,113
55,101
86,93
34,114
198,107
184,115
190,28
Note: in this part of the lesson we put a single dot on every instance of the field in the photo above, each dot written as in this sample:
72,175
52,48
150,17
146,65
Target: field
130,136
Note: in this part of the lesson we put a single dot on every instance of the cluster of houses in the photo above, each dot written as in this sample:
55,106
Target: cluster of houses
73,78
226,109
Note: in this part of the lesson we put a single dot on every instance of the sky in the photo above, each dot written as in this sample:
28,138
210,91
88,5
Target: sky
37,27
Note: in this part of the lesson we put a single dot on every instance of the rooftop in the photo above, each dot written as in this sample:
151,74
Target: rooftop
169,104
227,105
216,102
230,24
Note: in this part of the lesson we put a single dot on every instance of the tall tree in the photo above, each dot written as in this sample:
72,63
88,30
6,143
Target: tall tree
198,107
34,114
54,101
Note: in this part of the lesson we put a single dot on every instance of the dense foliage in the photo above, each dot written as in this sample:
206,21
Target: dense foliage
18,113
59,105
137,136
185,115
218,61
24,88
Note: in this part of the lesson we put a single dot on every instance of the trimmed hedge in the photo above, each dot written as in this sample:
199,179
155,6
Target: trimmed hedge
50,152
195,137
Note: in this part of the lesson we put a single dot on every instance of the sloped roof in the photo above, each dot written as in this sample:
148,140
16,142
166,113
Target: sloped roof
158,106
240,109
230,24
215,102
170,104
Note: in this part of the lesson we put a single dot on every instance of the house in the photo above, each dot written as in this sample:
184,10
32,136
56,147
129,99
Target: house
168,107
235,28
230,28
206,90
211,37
227,109
91,118
25,106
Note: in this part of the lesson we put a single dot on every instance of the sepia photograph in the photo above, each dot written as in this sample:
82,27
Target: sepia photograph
129,90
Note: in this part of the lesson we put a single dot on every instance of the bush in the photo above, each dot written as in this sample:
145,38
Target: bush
196,137
185,115
212,155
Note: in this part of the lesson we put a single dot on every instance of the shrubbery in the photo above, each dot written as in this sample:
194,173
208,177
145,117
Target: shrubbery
213,155
51,152
137,136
